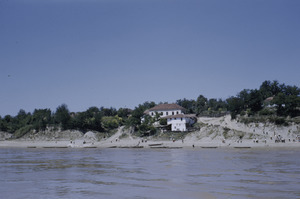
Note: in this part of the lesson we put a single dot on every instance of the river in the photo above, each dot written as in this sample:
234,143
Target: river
149,173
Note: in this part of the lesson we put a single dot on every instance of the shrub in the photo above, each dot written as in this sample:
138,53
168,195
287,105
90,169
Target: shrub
22,131
111,122
163,121
266,112
225,132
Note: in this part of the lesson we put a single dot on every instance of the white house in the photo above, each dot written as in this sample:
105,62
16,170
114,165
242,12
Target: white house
175,116
180,122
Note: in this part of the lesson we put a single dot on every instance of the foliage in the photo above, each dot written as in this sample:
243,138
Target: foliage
41,118
189,105
282,106
201,104
111,122
163,121
62,116
137,114
225,132
22,131
286,100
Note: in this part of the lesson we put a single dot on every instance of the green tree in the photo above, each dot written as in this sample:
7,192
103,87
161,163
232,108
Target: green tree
62,116
255,102
189,105
7,124
23,118
108,111
201,104
111,122
41,118
137,114
266,89
235,106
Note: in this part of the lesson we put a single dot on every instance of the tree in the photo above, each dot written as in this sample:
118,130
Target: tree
287,105
23,118
291,90
292,105
111,122
7,124
201,104
62,116
255,102
41,118
266,89
123,112
235,106
138,112
189,105
276,88
279,100
108,111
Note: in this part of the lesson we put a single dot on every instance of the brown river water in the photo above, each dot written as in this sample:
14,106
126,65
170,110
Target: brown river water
149,173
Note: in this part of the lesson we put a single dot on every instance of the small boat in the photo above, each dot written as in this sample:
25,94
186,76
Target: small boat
166,147
242,147
209,147
155,144
158,147
131,147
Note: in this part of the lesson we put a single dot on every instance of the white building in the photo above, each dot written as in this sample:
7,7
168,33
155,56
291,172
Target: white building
175,116
180,122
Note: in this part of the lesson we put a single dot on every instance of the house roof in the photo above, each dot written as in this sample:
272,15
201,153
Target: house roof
269,99
181,116
165,107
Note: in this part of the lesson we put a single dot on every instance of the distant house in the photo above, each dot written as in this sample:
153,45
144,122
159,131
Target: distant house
174,114
268,102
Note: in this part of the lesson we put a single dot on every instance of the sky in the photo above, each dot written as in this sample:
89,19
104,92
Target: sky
121,53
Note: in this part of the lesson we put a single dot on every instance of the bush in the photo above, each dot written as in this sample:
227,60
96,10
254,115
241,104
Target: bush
111,122
163,121
266,112
225,132
281,121
123,136
22,131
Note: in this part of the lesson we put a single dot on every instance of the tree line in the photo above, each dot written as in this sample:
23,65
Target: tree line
271,98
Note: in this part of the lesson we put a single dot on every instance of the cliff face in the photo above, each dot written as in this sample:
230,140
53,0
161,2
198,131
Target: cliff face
49,135
225,128
4,135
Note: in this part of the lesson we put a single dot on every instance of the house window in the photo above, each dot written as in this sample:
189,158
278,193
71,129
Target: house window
152,113
177,112
167,113
181,119
172,113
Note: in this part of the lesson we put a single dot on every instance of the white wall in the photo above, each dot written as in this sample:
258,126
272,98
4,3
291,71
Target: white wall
177,124
166,113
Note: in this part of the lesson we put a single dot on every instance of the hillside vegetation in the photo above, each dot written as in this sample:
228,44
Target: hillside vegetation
271,103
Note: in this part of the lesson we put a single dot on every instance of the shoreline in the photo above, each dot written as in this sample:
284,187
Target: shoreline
219,132
151,144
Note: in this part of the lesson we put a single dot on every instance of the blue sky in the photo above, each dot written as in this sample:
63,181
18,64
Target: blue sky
122,53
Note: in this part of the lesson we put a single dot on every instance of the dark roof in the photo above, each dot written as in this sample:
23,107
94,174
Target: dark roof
165,107
181,116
